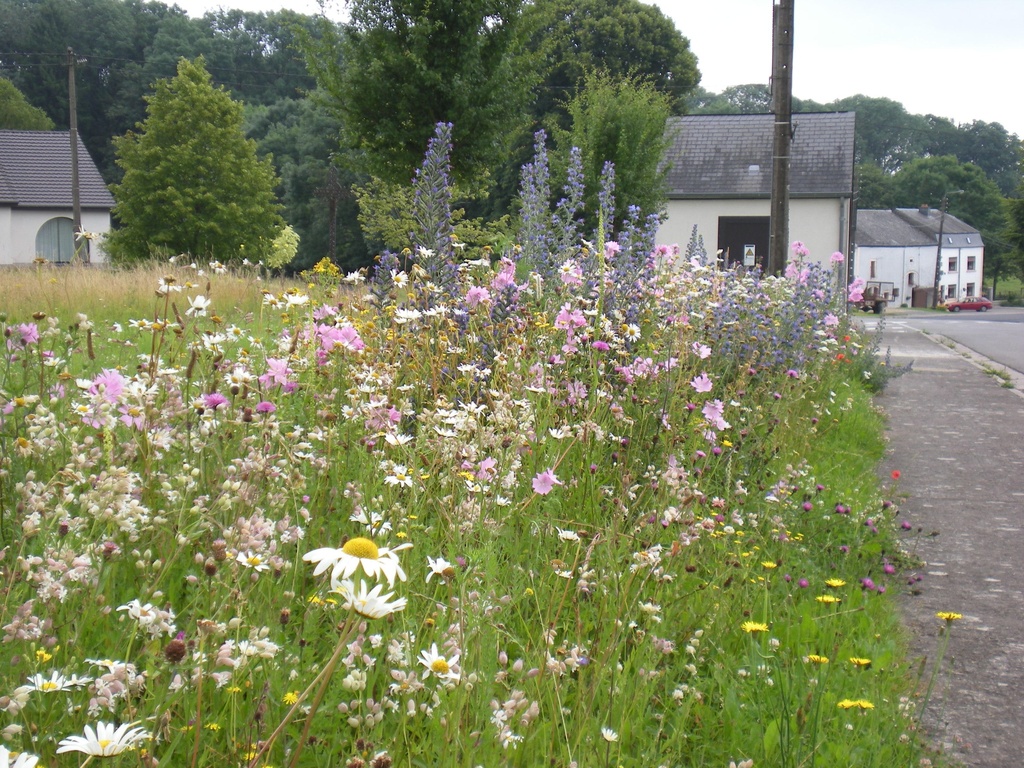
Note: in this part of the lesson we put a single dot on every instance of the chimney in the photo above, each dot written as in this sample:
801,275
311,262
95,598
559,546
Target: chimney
923,210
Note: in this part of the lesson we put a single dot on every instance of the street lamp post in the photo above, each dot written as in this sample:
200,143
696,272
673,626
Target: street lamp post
938,250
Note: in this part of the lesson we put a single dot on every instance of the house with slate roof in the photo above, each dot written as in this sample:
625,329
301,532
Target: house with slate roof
900,247
720,180
36,214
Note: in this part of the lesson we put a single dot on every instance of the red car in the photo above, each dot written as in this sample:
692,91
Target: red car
977,303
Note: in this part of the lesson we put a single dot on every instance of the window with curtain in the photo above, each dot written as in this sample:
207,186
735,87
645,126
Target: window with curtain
55,240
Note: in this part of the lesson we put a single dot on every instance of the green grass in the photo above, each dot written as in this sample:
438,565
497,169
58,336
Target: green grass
680,591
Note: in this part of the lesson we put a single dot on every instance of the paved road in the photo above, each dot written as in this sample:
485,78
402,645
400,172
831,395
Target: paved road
957,438
998,334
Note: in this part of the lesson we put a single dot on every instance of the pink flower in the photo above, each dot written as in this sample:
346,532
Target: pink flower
600,346
713,413
545,481
344,336
856,290
701,383
506,276
277,374
569,318
838,257
799,249
477,295
701,350
611,248
29,333
108,384
486,469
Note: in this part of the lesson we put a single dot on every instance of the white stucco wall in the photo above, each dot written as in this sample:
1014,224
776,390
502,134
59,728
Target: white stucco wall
895,265
19,226
821,224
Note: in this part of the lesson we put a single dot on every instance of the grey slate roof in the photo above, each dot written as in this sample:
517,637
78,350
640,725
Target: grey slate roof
35,172
722,156
912,226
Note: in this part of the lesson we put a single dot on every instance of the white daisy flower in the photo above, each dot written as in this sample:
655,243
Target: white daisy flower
440,567
608,734
359,552
252,560
105,741
23,760
369,604
57,682
436,664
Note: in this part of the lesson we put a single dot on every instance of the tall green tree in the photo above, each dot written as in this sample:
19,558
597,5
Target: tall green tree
17,114
620,37
1011,262
192,181
926,180
403,66
887,135
620,120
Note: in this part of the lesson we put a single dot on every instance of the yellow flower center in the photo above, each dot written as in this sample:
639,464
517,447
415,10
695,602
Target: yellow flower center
254,560
104,743
440,666
48,686
362,548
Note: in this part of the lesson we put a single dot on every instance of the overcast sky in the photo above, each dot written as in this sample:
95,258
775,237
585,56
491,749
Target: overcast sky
959,59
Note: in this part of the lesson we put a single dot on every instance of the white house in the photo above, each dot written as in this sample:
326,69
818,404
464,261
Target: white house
36,214
720,180
900,247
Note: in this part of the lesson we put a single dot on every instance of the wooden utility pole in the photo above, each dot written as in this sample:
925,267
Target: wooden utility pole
782,107
76,202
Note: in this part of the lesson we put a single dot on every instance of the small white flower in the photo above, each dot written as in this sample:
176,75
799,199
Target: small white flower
436,664
608,734
369,604
439,567
252,560
197,305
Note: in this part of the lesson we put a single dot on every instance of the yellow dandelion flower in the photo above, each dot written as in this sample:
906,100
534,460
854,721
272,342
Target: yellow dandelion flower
753,626
949,616
835,583
290,698
816,659
769,564
860,662
828,599
856,704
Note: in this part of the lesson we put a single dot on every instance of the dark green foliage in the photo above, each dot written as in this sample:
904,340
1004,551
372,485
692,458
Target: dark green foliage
620,37
622,121
403,66
302,138
16,114
192,181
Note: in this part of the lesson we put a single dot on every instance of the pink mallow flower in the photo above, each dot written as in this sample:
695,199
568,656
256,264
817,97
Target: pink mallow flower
838,257
545,481
701,383
856,290
713,413
477,295
277,374
344,336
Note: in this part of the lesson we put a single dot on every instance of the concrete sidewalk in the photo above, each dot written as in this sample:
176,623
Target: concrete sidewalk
957,438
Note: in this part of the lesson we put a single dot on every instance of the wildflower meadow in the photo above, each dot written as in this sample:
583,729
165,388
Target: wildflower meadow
587,501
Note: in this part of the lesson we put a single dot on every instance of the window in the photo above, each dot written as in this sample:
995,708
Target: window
969,288
911,279
952,264
972,263
873,275
950,291
55,240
